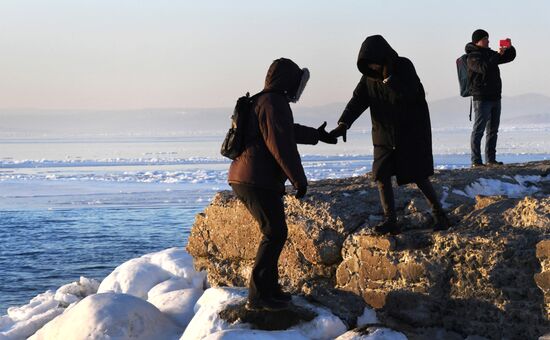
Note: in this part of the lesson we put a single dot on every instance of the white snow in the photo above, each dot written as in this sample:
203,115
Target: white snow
166,277
525,185
374,334
368,317
178,304
22,322
176,308
138,276
110,316
208,324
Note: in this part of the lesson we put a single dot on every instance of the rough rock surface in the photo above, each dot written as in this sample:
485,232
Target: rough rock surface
489,275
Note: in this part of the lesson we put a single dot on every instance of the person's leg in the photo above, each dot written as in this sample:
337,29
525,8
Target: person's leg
492,132
441,222
480,121
385,190
267,208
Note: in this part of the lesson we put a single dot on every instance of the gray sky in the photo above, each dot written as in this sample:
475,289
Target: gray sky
124,54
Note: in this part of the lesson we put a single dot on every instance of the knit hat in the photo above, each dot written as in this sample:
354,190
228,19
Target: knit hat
478,35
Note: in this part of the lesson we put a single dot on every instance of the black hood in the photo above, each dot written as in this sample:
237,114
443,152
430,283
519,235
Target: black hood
283,76
375,50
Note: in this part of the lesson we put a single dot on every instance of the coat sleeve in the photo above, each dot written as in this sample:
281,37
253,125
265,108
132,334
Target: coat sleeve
305,134
358,103
277,129
508,55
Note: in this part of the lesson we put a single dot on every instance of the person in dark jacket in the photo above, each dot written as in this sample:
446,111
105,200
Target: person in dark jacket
258,175
486,89
401,132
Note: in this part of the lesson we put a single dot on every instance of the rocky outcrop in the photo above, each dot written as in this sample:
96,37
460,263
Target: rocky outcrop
489,275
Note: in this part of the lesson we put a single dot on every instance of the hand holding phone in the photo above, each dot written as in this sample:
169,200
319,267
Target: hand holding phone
505,43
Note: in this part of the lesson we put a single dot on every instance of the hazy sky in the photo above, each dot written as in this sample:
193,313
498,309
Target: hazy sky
123,54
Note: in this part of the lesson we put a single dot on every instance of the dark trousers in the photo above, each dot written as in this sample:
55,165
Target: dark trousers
385,191
487,117
267,208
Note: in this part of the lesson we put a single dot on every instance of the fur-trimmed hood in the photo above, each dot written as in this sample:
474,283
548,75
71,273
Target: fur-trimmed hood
286,77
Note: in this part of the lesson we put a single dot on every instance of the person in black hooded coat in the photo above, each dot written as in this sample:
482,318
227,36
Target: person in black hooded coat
401,131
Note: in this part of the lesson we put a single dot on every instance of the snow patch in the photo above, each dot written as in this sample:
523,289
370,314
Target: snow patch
207,323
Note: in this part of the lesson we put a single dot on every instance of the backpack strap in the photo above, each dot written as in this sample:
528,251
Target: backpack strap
471,100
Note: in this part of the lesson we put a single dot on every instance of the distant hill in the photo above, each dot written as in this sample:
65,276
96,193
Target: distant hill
521,110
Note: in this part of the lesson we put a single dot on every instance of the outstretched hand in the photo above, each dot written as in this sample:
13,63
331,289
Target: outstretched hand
340,130
324,136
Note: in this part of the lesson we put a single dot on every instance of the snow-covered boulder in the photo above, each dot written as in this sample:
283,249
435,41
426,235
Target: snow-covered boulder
110,316
178,304
138,276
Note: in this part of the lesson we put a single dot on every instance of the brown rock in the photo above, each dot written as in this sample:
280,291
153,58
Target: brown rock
484,201
486,276
543,249
543,281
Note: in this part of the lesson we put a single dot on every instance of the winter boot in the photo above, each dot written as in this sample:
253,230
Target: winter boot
441,221
388,226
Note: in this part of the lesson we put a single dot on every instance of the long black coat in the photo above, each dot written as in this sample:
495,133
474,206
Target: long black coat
401,131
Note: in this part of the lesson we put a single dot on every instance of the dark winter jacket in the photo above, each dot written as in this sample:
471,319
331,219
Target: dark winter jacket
401,132
483,71
271,155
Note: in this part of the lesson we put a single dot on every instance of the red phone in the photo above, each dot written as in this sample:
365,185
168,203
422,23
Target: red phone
505,43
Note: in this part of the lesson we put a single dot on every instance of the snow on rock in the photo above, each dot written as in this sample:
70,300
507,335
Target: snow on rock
110,316
178,304
525,185
367,318
373,333
134,277
180,264
168,286
138,276
76,291
22,322
207,322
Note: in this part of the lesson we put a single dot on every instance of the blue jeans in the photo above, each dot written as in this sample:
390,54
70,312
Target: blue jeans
487,117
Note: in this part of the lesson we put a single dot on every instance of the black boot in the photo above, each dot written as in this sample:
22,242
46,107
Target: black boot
388,226
441,221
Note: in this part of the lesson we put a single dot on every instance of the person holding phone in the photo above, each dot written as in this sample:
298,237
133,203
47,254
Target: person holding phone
486,89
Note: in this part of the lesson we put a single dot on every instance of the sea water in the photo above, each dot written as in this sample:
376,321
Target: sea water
80,207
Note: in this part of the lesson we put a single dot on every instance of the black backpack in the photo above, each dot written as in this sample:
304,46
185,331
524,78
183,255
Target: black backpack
234,143
463,81
462,69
